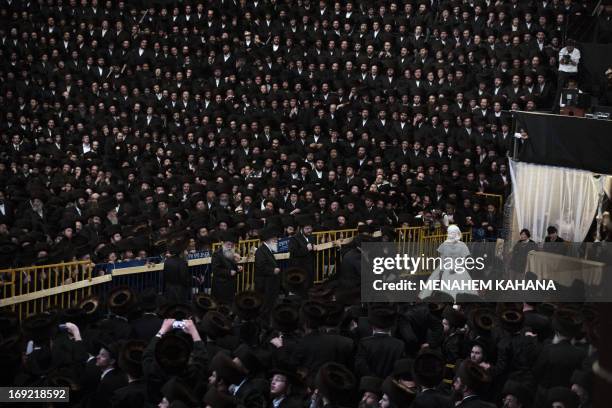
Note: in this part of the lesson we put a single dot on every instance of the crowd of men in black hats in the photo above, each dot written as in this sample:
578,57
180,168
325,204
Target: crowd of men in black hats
136,129
312,348
125,122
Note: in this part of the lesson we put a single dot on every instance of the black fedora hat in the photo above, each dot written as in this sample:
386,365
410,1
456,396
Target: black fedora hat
288,370
403,369
429,368
313,313
64,378
382,317
320,292
473,376
248,304
248,359
130,357
177,311
226,369
334,314
286,318
203,303
511,320
106,341
295,279
563,395
567,322
225,310
147,300
8,249
91,307
482,320
218,399
268,233
348,296
518,390
455,318
74,315
172,353
214,324
177,393
120,300
547,309
371,384
398,394
336,383
40,327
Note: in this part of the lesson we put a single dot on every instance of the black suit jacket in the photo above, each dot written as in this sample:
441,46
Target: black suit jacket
431,398
223,283
264,262
250,395
377,354
300,256
316,349
176,271
112,381
474,402
556,363
131,396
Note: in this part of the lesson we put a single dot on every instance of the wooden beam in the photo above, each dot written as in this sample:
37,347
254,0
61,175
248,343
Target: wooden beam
138,269
55,291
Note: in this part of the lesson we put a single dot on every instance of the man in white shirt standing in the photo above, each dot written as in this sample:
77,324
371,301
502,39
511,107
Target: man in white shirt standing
569,57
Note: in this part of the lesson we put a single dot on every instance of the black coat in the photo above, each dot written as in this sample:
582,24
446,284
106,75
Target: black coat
250,395
131,396
377,354
316,349
112,381
223,283
266,281
349,275
556,363
301,257
417,326
289,402
176,272
431,398
177,279
474,402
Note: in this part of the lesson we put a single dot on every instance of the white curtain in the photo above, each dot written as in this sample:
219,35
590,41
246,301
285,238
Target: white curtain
546,195
608,187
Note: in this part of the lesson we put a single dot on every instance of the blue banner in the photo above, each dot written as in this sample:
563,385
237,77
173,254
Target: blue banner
283,245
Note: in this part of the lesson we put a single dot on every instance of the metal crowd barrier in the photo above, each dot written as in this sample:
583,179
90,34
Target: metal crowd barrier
30,290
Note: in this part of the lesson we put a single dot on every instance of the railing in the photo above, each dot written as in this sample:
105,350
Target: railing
498,198
33,289
328,245
36,288
246,249
429,245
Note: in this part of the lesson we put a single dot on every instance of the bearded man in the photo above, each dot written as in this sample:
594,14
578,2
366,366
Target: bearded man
225,269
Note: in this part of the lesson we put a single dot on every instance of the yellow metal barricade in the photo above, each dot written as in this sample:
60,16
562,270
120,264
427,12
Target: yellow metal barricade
30,290
33,289
328,250
246,249
430,244
496,199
